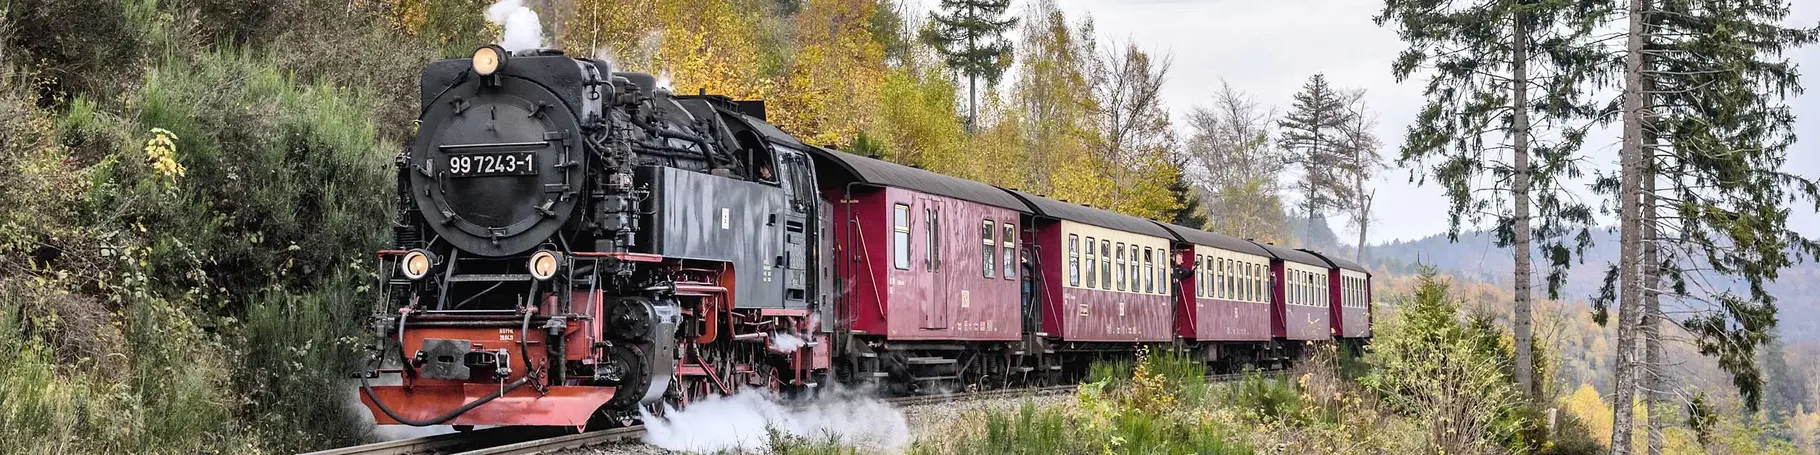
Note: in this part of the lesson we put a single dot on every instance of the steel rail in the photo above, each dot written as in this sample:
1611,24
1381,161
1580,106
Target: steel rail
442,443
566,442
525,441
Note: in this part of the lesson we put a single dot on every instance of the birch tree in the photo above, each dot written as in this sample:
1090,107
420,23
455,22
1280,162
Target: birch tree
1230,154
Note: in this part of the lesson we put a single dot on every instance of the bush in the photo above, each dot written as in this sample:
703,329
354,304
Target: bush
1267,399
76,46
1435,369
296,354
1033,431
283,184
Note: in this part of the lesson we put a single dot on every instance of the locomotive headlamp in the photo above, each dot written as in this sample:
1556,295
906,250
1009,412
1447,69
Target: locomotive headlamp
543,265
489,59
416,264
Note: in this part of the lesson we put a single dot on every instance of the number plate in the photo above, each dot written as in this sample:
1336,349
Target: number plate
492,164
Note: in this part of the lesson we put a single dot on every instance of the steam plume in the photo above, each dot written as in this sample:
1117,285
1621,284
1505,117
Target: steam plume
745,421
522,28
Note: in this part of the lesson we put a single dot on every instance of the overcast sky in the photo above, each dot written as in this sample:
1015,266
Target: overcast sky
1270,48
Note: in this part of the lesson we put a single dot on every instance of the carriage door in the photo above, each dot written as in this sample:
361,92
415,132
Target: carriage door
935,305
799,182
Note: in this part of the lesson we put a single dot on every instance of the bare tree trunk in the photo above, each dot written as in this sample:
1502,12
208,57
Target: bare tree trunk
1519,99
1364,219
1629,224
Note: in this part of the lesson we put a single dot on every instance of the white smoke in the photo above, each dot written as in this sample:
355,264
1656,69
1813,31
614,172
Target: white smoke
786,343
663,81
745,421
522,28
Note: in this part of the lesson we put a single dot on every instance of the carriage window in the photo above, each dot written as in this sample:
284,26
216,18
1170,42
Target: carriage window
1120,255
1074,260
1219,277
932,220
1203,275
1237,283
1009,243
1257,283
1295,287
900,237
1200,275
1106,264
1163,259
988,249
1246,293
1149,272
1092,265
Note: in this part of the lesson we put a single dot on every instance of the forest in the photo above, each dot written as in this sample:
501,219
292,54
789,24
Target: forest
190,192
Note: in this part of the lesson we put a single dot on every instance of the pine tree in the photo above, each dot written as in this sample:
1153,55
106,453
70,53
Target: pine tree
1486,56
1311,133
1188,210
971,35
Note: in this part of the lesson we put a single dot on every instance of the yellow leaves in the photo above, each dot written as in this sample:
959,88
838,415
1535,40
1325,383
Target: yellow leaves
836,76
161,154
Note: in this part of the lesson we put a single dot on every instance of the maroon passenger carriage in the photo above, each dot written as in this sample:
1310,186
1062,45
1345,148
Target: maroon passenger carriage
1349,288
1300,311
1104,281
928,266
1222,303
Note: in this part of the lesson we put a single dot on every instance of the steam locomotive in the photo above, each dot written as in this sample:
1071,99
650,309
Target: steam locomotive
575,242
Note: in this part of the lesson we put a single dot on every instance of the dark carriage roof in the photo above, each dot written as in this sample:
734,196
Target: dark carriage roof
1338,262
884,173
1221,241
1293,255
1088,215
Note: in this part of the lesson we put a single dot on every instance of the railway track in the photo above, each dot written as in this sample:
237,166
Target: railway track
523,441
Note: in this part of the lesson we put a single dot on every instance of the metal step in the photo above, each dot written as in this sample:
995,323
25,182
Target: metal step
880,374
930,361
937,378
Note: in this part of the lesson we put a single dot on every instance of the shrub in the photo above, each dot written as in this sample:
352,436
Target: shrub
1267,399
1030,430
283,183
295,356
1435,369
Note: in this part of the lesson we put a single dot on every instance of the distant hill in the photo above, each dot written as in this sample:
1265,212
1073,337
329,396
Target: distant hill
1474,257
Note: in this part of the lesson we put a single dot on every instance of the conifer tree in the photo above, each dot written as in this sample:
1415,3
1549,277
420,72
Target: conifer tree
1311,134
1188,211
1513,72
970,34
1706,81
